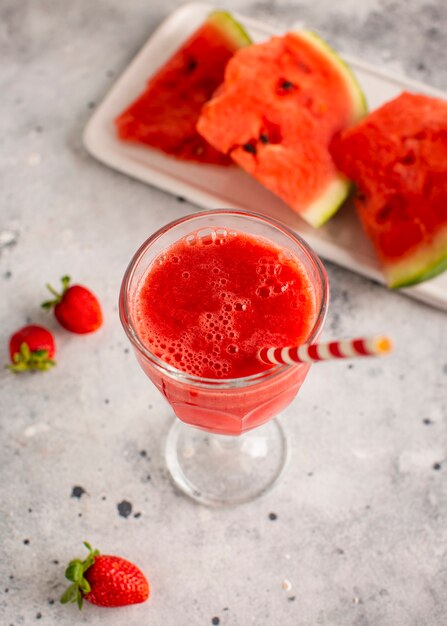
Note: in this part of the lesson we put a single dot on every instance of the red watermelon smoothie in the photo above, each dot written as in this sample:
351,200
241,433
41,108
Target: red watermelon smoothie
200,298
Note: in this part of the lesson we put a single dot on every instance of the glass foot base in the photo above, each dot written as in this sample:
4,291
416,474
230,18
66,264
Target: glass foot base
217,470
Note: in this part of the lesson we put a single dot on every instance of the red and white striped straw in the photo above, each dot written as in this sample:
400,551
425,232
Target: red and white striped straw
312,353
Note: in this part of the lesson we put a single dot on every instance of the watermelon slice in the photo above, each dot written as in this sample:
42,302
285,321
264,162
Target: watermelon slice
165,115
398,158
276,113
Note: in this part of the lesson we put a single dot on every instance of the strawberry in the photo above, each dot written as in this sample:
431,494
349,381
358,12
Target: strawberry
77,309
105,580
31,348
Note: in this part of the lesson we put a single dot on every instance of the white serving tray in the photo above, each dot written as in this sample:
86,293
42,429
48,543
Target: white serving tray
341,240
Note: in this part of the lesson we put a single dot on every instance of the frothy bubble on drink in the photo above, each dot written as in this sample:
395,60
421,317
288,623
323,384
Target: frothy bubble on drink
210,340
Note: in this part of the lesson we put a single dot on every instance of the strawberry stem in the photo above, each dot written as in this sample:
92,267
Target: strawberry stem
75,574
25,360
58,297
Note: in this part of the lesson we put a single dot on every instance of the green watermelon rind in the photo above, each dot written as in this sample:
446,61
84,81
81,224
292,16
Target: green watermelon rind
428,261
329,202
357,95
233,30
335,194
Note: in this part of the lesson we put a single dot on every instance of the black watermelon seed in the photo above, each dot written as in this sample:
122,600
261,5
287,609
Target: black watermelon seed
264,138
285,87
286,84
249,147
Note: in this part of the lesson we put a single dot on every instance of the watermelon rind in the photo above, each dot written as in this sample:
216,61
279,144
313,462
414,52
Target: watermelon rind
226,23
324,207
358,98
427,261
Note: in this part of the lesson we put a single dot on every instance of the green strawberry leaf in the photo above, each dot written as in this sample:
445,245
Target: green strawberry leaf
79,599
69,594
75,573
25,352
25,360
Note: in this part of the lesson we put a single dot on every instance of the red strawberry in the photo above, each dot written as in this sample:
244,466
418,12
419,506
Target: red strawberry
105,580
77,309
31,348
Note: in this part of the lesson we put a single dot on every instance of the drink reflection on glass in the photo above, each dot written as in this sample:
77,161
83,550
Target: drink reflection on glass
198,300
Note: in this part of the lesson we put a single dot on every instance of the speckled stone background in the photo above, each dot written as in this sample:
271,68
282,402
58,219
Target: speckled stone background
356,532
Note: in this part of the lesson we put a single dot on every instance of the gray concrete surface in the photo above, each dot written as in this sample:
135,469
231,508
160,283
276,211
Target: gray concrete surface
359,535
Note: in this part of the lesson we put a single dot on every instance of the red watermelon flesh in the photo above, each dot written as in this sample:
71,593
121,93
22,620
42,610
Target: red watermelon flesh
397,157
276,113
166,113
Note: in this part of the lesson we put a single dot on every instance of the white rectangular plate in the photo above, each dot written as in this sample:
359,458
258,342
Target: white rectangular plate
341,240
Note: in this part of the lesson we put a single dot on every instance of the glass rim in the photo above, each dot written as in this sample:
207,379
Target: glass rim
199,381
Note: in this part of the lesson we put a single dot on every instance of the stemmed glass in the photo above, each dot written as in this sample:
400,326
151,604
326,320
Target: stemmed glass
226,447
